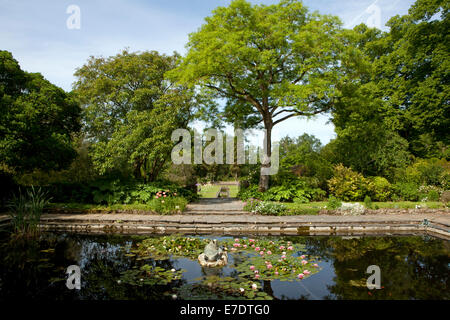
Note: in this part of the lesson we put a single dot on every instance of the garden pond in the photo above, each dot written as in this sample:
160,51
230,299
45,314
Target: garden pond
118,267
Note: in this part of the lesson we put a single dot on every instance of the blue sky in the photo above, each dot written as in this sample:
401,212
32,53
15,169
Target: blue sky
37,35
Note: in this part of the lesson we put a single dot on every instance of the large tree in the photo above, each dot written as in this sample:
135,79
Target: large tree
37,120
131,108
276,62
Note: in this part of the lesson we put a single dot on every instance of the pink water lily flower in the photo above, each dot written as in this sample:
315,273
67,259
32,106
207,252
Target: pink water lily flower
304,262
269,252
315,265
300,276
257,249
290,248
252,267
281,247
306,272
261,253
269,266
276,273
236,240
256,276
283,257
302,256
245,246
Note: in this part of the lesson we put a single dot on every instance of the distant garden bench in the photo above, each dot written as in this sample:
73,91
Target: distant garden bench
224,192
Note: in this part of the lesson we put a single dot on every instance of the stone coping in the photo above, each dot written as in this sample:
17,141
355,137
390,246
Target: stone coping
437,224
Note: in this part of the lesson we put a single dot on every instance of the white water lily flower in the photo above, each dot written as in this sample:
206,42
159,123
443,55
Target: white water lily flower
173,270
241,289
254,286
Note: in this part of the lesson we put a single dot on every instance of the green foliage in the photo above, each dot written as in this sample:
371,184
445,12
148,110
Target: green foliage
150,275
347,184
408,191
428,172
26,209
379,188
143,109
106,191
295,190
267,60
368,202
333,203
37,120
265,207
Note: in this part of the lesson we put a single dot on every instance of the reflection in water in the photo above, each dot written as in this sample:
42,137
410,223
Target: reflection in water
412,267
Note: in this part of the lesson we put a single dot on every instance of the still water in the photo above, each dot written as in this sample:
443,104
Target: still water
412,267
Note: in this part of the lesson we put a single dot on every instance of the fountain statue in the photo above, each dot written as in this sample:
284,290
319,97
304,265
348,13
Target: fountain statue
213,256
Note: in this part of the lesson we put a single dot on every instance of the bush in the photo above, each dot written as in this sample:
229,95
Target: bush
428,172
430,193
407,191
268,208
333,203
116,192
368,202
298,191
379,189
347,184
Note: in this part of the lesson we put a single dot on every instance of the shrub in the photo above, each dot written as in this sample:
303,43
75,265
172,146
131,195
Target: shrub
368,202
428,172
379,189
347,184
268,208
117,192
333,203
407,191
430,193
297,190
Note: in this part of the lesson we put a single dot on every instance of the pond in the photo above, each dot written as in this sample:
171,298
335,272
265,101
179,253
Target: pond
117,267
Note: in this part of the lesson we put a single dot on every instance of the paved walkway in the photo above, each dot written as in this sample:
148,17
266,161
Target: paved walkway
218,206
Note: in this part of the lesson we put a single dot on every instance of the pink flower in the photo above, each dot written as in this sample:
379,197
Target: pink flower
256,271
269,252
253,245
306,272
281,247
257,249
276,273
245,246
165,195
236,240
252,267
174,193
236,244
256,276
304,262
233,249
261,252
315,265
302,257
179,247
269,266
283,257
300,276
289,243
290,248
251,240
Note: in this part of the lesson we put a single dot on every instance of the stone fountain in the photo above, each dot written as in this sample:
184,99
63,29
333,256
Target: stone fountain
213,256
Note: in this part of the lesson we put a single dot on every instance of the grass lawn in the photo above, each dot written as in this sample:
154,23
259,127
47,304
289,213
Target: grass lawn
210,191
313,208
169,206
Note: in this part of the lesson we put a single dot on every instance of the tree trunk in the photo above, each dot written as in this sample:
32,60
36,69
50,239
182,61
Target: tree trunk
264,179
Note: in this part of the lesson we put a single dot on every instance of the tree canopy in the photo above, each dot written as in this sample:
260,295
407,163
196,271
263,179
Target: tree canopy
36,120
131,108
275,62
